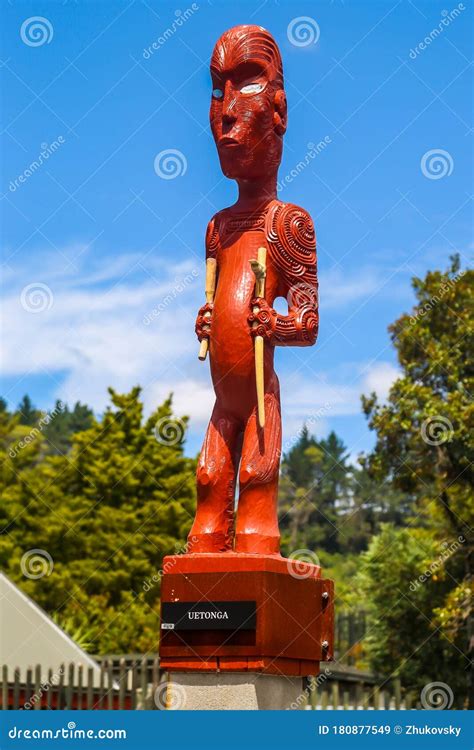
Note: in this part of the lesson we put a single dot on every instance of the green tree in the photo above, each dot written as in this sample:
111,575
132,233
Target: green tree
315,477
64,423
105,515
29,415
403,577
425,440
369,504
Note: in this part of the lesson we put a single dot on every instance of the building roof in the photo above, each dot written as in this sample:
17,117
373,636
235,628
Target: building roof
28,636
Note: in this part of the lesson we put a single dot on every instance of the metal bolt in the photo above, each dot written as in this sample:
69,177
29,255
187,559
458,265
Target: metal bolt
325,595
325,644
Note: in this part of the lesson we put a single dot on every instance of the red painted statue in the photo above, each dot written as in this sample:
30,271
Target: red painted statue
248,119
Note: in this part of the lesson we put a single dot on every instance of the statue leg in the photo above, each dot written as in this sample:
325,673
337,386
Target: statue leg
212,530
257,520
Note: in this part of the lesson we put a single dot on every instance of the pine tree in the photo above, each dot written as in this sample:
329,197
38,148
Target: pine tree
64,423
315,478
29,415
106,514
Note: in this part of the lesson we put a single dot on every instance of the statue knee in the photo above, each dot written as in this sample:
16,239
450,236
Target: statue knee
252,474
209,475
205,476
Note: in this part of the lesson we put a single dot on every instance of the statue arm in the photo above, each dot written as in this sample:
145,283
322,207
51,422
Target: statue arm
203,323
292,247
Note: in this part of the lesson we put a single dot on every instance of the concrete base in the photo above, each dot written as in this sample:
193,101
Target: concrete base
192,691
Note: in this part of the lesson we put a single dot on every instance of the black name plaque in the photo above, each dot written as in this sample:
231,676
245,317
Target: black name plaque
209,615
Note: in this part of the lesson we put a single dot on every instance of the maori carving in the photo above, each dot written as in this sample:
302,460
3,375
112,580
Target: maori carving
248,118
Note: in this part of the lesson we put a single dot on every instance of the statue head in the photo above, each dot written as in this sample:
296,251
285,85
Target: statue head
248,105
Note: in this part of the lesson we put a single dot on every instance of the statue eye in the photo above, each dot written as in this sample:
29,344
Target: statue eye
217,93
252,88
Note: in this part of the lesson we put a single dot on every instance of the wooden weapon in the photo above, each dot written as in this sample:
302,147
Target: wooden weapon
260,271
211,267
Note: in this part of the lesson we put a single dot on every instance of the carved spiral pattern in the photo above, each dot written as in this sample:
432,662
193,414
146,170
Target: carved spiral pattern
212,239
309,325
290,231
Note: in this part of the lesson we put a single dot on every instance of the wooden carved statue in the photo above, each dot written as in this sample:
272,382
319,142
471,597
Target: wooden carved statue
257,250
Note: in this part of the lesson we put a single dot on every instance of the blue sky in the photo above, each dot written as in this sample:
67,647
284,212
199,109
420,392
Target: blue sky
103,258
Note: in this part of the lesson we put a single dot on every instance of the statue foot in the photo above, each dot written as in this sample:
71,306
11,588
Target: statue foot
258,544
212,542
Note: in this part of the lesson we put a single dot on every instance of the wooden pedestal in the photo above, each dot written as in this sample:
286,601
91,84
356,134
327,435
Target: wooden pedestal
242,612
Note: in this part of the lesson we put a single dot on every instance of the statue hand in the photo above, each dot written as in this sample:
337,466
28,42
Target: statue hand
262,320
204,321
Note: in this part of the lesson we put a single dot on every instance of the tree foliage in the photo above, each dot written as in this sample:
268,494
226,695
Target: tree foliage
315,478
105,514
425,447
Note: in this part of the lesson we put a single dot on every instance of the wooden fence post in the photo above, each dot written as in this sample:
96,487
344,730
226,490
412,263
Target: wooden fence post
16,688
335,695
397,691
51,686
38,693
79,686
4,687
110,686
122,683
90,688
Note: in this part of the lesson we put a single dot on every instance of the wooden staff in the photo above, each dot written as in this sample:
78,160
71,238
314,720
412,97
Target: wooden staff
211,268
260,271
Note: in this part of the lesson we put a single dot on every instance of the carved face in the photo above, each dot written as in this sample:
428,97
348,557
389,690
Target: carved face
248,105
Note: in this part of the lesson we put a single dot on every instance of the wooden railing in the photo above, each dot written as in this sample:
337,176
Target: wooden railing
343,688
134,681
120,684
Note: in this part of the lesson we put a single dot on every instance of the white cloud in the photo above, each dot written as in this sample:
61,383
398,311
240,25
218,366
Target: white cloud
379,378
316,399
191,397
338,289
131,325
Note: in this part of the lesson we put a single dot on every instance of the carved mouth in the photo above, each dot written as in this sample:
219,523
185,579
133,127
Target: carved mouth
227,141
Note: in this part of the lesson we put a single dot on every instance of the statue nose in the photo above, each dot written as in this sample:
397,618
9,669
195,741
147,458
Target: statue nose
228,118
228,108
